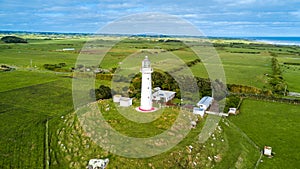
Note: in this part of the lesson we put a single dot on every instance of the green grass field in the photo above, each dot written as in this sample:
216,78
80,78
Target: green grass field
245,66
291,73
246,69
292,77
21,79
25,108
272,124
31,96
40,52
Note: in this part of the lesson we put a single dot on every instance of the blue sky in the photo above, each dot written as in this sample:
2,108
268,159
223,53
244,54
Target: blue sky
213,18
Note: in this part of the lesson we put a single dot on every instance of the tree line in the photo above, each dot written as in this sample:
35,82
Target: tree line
60,67
277,82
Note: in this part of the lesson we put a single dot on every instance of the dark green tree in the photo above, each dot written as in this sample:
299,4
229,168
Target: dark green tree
13,39
103,92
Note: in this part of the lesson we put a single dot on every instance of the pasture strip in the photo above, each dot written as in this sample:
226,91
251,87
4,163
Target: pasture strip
248,139
47,159
258,161
30,85
244,134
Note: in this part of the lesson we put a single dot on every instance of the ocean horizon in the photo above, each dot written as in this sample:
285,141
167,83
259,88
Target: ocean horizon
277,40
265,39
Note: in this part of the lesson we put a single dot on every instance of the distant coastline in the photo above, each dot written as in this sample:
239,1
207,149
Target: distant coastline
291,41
294,41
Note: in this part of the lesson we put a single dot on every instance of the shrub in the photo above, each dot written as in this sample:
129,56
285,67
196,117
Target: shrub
103,92
13,39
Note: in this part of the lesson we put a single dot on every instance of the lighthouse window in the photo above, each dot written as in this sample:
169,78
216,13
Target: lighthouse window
148,78
148,87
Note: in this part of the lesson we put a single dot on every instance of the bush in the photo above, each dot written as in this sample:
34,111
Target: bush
103,92
231,102
13,39
56,67
6,68
191,63
236,88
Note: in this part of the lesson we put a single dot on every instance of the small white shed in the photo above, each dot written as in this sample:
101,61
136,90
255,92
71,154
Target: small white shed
125,101
68,49
268,150
199,111
163,95
232,111
117,98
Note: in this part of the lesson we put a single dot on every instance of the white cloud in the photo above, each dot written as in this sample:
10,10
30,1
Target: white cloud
121,5
151,23
295,13
211,15
252,4
64,9
187,16
51,15
235,2
244,2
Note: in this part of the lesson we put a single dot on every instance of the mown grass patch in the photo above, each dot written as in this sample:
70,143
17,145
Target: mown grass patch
291,75
291,72
272,124
19,79
24,112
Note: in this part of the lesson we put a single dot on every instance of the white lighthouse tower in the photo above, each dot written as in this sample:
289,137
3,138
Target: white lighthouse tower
146,92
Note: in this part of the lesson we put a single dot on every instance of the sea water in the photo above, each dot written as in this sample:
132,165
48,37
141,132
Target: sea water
278,40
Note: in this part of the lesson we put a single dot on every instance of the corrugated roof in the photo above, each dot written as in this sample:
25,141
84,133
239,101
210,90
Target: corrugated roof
206,100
